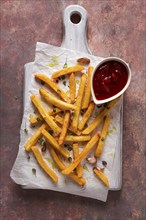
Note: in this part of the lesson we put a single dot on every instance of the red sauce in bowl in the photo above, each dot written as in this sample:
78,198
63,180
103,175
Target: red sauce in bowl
109,79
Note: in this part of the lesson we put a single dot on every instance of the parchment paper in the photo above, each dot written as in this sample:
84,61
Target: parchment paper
49,59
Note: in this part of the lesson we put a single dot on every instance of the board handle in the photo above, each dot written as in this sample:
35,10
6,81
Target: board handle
75,26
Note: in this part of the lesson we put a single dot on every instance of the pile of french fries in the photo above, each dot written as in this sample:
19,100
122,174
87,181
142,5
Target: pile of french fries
62,124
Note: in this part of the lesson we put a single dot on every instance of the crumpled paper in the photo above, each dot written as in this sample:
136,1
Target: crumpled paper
49,59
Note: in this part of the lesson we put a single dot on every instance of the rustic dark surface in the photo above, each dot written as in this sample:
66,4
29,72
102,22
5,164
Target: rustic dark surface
114,28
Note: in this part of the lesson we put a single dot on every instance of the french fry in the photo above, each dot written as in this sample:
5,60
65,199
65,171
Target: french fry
54,143
99,117
79,102
56,159
61,166
72,86
87,93
86,116
71,138
72,69
81,181
84,152
43,164
103,136
101,176
79,169
60,121
45,115
38,118
64,127
54,101
34,138
53,86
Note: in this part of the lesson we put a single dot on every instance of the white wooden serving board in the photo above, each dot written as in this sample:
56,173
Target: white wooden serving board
75,39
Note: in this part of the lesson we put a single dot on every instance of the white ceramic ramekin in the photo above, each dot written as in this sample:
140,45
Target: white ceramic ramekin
99,102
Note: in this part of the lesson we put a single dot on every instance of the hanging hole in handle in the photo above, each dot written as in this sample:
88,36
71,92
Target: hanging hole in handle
75,17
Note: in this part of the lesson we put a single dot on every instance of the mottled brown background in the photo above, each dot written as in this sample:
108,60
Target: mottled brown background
116,28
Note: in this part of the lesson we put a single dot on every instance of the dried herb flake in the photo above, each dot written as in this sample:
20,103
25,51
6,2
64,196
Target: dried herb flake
65,64
64,83
70,159
54,109
44,147
48,159
51,132
102,139
62,77
34,171
70,133
39,120
25,129
42,82
85,167
41,141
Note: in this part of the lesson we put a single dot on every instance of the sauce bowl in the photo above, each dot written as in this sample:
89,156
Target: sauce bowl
103,79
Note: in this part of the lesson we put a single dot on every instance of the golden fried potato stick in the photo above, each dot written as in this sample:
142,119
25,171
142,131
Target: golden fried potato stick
45,115
82,155
86,116
101,176
56,159
60,121
72,69
64,127
54,101
34,138
99,117
43,164
87,93
79,102
72,87
102,137
81,181
61,166
54,143
53,86
38,118
79,169
71,138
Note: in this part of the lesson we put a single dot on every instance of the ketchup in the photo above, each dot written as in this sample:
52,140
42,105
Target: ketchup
109,79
